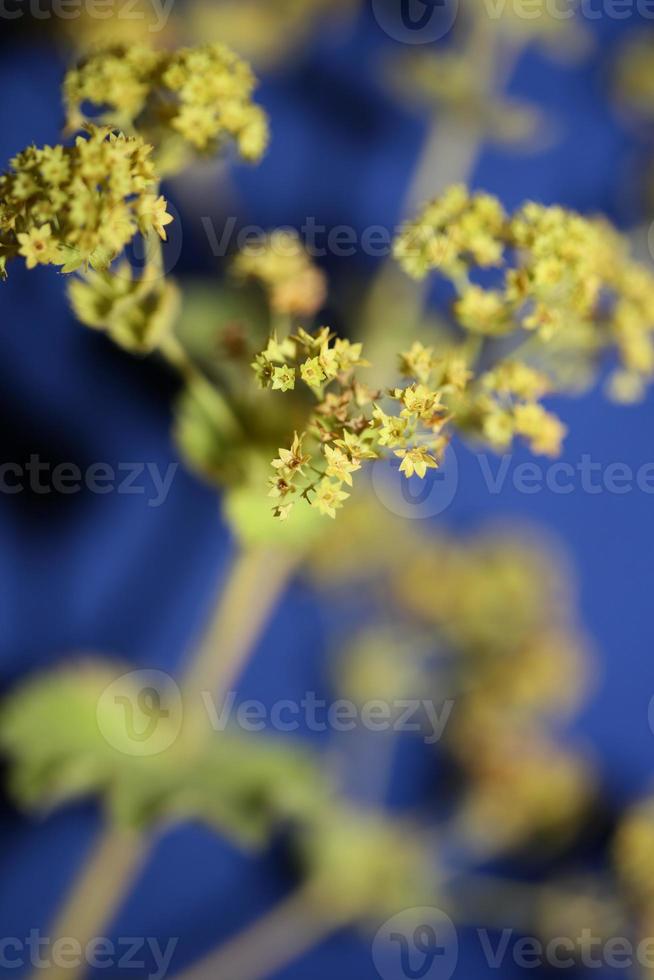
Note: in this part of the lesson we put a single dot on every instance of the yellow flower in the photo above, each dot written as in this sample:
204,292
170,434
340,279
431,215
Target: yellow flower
280,262
102,184
294,459
312,372
416,461
393,429
348,355
152,212
355,446
417,362
483,311
544,431
37,246
283,378
329,498
279,352
340,466
419,401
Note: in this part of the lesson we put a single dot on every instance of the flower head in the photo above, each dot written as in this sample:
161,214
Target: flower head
329,498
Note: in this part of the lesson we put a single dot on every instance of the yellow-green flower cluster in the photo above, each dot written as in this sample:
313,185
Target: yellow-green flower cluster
506,404
279,262
348,424
546,271
502,607
199,97
452,233
414,423
79,205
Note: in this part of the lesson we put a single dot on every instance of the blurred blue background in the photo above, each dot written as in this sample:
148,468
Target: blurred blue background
111,575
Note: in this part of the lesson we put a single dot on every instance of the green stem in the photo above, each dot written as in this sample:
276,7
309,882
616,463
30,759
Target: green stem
256,581
278,938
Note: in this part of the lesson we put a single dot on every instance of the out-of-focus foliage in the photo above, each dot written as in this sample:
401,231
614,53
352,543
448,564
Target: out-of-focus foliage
463,79
246,788
67,735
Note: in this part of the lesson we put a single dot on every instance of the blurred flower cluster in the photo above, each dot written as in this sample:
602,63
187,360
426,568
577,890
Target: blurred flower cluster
194,99
546,271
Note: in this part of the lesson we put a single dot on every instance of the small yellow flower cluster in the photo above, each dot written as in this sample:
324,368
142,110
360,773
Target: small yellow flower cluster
280,263
348,425
414,422
506,405
79,205
199,96
453,232
555,275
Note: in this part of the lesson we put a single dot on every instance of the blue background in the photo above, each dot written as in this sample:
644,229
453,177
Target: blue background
111,575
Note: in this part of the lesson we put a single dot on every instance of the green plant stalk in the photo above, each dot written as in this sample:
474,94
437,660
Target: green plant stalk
290,929
448,156
256,582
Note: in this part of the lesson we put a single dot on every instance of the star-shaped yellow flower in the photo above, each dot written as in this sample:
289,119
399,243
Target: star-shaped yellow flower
329,498
340,466
416,461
